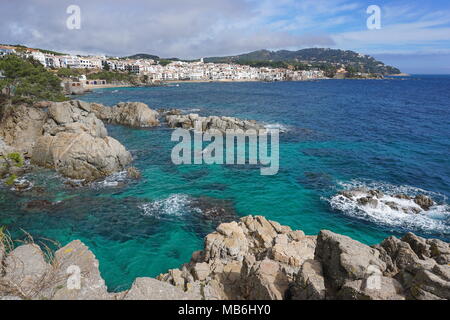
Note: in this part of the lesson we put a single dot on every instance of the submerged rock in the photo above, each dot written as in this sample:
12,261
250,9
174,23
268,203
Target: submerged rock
376,199
424,202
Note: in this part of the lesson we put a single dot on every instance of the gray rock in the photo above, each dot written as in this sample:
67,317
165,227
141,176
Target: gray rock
432,285
211,123
133,114
76,259
424,202
26,272
345,259
81,155
380,288
152,289
310,283
20,125
266,281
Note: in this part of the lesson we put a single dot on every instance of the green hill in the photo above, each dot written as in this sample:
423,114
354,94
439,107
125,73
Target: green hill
312,57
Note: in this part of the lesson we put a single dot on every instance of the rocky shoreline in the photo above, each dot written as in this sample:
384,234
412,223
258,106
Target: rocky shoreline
71,138
249,259
252,259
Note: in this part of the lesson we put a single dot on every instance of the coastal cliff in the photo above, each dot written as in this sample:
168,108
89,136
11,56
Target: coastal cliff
251,259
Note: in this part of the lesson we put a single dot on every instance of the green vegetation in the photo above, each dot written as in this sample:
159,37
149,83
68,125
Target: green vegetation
70,73
16,158
28,80
311,58
165,62
112,76
10,180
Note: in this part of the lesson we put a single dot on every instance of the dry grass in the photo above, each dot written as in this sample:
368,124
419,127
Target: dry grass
40,287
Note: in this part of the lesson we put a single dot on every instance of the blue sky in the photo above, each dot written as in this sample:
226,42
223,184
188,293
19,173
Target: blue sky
414,35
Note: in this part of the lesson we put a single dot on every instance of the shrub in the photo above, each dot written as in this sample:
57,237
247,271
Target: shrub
28,80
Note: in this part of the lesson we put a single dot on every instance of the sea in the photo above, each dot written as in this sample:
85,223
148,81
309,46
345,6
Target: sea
392,135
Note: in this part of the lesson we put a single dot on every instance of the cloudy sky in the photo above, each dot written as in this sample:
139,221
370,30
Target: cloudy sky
414,34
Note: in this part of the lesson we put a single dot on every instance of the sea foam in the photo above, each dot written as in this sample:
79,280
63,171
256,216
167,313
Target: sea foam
435,220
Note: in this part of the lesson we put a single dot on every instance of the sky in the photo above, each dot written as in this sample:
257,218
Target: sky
414,35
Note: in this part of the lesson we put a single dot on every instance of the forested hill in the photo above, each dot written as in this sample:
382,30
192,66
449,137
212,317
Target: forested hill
316,57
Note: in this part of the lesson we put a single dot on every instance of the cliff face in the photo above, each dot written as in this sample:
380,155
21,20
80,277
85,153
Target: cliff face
250,259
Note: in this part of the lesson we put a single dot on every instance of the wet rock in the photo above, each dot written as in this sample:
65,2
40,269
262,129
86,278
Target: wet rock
424,202
38,205
22,185
368,201
376,193
402,196
393,205
133,173
216,210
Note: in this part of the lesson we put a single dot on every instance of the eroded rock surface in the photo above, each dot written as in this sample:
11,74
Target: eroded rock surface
211,123
133,114
251,259
65,136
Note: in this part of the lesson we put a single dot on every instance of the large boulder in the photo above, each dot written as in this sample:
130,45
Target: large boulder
133,114
77,276
265,281
431,284
79,155
211,123
346,259
26,273
20,125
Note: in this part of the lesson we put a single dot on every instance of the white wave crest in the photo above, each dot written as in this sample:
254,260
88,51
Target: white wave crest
392,212
279,126
112,180
175,205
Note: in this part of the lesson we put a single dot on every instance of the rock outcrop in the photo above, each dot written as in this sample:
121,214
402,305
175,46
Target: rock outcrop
65,136
20,125
71,274
133,114
75,143
211,123
260,259
251,259
365,198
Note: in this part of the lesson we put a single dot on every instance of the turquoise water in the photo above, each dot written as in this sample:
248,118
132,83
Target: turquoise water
391,134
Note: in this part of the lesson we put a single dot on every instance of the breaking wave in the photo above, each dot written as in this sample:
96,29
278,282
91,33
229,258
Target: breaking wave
392,212
175,205
271,126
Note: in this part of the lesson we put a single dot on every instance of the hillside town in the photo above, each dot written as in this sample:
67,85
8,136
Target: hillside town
155,71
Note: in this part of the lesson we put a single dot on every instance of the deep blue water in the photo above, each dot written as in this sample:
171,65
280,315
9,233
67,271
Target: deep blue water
390,134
